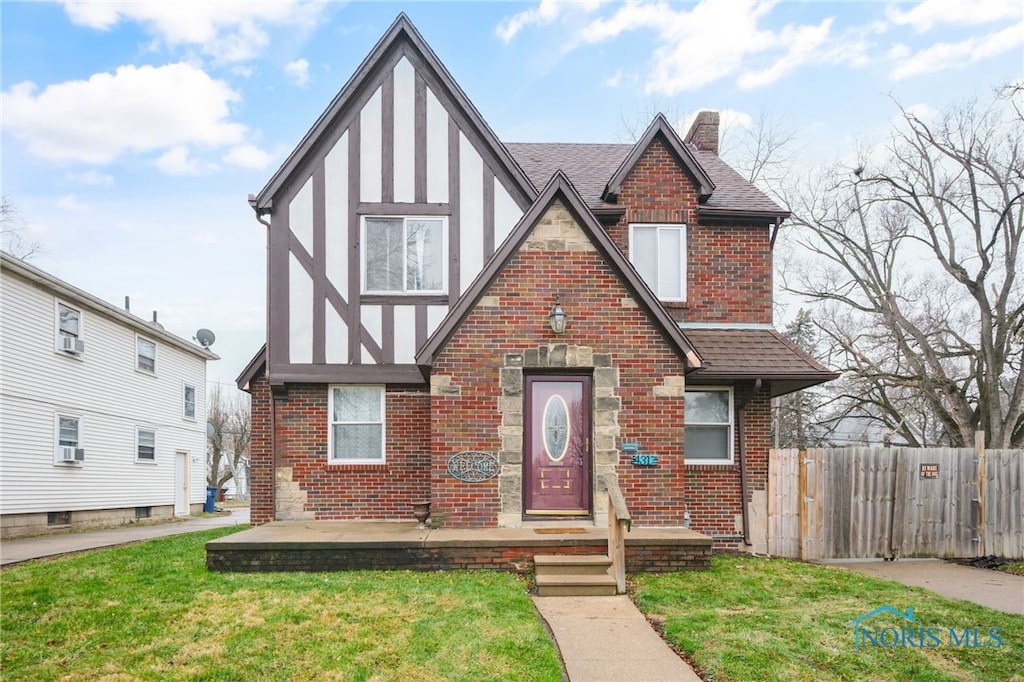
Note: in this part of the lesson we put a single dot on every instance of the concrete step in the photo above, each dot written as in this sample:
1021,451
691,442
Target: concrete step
575,586
569,564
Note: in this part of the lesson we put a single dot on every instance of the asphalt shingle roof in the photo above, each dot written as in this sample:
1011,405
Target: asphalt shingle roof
590,167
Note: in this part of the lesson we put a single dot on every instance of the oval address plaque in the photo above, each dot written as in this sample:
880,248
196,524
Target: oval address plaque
472,467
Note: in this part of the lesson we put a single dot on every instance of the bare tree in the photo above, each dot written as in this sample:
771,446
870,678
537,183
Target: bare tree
913,255
227,440
13,238
764,153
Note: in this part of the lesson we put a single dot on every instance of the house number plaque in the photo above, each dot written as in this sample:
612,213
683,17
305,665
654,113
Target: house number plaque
472,467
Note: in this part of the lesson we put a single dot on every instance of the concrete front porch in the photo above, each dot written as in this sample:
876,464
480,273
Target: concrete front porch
355,545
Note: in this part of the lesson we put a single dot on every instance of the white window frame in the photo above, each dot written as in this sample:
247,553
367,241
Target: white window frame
184,402
138,432
56,436
138,354
731,459
675,227
58,332
382,459
405,220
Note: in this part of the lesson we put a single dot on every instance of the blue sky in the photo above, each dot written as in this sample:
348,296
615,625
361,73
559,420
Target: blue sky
134,131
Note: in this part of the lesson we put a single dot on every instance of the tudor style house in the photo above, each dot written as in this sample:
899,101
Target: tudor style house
102,413
499,328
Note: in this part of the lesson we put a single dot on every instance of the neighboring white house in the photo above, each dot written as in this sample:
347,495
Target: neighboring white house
102,414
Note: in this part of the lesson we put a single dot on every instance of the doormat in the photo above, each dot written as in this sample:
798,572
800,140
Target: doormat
555,531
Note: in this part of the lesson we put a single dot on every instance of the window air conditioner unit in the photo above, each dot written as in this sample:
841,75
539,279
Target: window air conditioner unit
70,454
70,344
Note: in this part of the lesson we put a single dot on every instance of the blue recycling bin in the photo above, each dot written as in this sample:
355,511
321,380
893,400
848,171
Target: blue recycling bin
211,498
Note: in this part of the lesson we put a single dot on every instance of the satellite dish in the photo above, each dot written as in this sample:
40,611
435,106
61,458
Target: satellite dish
205,338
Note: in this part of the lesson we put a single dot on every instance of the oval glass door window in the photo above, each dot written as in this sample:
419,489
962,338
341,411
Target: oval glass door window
556,428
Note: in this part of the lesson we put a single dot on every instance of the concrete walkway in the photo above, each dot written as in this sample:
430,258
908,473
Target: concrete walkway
607,639
994,589
24,549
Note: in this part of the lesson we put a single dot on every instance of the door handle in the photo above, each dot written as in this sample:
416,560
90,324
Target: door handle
579,460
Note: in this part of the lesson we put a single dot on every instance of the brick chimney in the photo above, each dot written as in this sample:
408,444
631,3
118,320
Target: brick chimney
704,132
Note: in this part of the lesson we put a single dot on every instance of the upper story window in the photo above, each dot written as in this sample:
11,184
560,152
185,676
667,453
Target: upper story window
145,355
404,255
356,425
658,252
69,440
189,402
69,330
709,426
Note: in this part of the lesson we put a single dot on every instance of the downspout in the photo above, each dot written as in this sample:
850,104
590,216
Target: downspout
742,410
260,212
775,231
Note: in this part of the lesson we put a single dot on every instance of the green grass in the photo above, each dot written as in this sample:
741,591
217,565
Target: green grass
772,619
153,612
1016,568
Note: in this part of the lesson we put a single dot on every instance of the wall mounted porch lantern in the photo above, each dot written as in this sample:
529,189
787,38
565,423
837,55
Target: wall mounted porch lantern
557,318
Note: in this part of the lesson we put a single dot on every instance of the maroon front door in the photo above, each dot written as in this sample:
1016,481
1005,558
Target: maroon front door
556,460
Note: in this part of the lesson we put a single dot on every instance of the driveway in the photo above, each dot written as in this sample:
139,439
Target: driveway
994,589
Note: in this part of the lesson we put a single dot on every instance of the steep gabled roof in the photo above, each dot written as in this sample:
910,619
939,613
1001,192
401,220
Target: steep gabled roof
559,187
401,33
255,366
661,127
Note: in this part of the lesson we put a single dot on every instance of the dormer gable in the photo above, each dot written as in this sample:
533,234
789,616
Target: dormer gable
661,130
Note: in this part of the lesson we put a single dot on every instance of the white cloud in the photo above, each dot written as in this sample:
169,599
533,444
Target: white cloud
803,41
298,71
92,177
248,156
926,15
71,203
547,12
137,109
942,56
178,161
228,30
614,80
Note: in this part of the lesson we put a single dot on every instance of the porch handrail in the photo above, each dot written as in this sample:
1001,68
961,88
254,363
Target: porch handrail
619,523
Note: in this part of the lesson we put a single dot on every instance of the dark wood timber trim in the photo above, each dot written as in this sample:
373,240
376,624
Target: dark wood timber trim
277,336
387,134
488,202
455,202
420,117
387,326
347,374
354,247
319,263
421,325
391,208
404,299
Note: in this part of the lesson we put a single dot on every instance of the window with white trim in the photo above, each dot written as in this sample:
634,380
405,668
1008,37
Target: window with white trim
189,402
658,252
145,355
356,433
69,439
145,445
404,255
709,426
69,329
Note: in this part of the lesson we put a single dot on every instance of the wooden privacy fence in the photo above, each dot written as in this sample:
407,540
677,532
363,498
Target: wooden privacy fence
890,502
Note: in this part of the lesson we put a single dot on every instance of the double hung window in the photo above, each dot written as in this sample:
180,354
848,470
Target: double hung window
709,426
404,255
356,425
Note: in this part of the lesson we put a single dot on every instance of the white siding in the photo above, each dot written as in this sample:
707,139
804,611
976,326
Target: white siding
104,389
370,152
506,214
337,337
300,216
405,131
471,230
336,215
405,334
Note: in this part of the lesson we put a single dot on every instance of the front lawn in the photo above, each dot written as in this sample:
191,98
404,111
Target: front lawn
750,618
153,612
